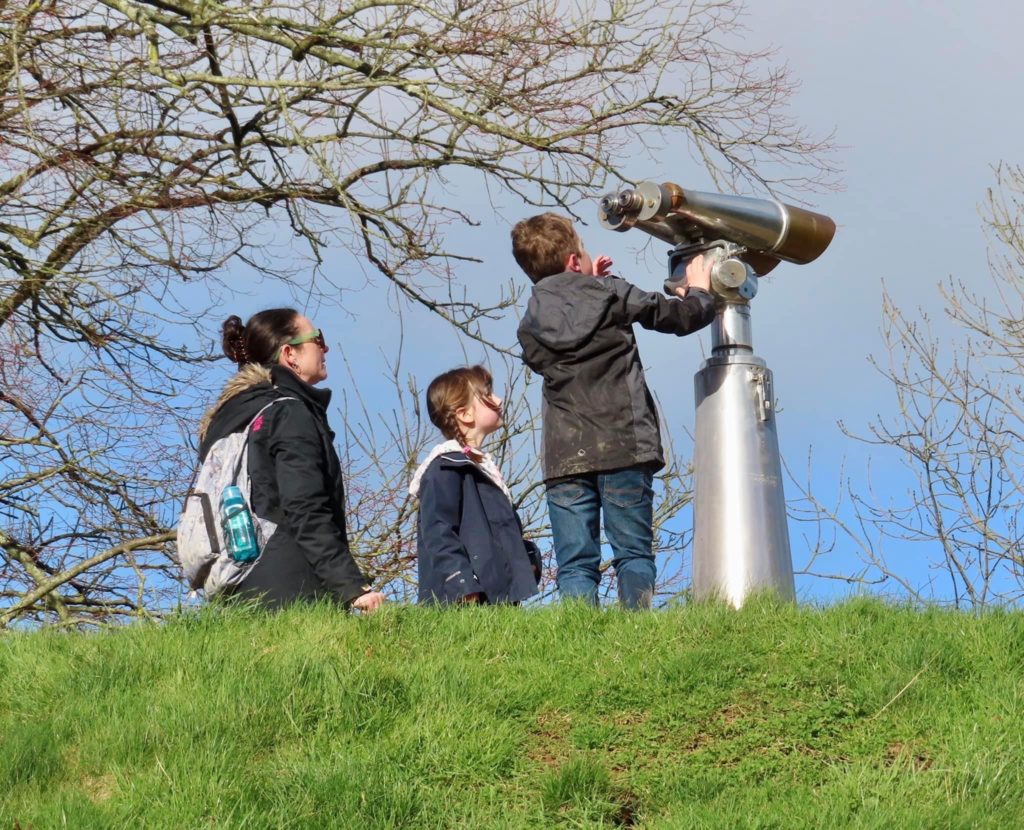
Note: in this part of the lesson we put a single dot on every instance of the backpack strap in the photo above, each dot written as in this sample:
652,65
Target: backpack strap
248,429
207,509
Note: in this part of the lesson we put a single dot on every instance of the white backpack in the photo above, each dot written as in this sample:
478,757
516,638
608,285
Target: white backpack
202,551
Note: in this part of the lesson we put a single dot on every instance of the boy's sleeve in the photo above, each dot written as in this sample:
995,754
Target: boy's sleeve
441,548
670,315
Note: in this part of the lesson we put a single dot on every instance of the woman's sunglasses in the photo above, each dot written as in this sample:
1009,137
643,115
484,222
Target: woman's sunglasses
315,336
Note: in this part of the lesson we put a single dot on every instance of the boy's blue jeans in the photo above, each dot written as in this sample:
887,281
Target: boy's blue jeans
626,498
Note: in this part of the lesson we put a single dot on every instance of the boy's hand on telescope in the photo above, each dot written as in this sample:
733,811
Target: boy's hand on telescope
602,265
698,274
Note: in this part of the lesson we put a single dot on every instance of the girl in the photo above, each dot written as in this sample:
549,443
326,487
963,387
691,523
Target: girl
470,540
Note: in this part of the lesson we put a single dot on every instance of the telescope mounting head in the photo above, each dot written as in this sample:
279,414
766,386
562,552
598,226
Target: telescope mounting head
732,279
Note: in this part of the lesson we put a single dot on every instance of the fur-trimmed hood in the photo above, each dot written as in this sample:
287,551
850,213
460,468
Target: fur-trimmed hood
248,377
248,392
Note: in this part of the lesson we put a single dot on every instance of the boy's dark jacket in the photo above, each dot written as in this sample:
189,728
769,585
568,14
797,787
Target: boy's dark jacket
296,483
577,332
469,537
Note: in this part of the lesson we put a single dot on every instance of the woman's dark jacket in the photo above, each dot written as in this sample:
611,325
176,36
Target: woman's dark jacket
577,332
296,483
469,537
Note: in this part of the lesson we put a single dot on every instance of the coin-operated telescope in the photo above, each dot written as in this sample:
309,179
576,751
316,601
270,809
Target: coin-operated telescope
740,534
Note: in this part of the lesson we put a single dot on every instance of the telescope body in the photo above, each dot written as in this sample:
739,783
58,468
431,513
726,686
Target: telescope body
740,530
770,230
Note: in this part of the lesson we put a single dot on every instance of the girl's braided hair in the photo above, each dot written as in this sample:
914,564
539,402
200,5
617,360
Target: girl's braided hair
452,391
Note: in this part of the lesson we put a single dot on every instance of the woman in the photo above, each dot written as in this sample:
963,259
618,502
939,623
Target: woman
294,470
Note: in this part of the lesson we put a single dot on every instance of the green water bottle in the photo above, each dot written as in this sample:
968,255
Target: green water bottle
236,523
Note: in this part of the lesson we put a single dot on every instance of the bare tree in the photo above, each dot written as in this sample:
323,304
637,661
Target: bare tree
958,430
150,147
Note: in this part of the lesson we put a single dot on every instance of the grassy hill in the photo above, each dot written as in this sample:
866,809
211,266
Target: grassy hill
860,715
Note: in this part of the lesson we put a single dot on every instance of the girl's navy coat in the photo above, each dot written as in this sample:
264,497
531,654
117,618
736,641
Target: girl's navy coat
470,538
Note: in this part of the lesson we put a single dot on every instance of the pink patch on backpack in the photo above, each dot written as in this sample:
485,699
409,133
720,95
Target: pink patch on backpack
257,423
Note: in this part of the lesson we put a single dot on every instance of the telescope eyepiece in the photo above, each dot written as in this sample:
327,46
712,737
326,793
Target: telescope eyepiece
610,203
625,201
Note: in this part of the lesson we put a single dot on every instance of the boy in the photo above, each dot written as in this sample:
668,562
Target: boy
602,443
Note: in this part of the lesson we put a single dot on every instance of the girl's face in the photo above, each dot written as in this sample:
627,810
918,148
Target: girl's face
480,418
487,413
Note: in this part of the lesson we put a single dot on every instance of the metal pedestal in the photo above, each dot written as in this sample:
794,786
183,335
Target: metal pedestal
741,539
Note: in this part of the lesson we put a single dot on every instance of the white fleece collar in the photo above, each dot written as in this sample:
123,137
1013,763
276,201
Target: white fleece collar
485,465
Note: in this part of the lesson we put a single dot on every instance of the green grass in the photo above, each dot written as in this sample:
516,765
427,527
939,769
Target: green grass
860,715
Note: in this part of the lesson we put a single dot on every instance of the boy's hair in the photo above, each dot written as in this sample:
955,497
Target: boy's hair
454,390
542,243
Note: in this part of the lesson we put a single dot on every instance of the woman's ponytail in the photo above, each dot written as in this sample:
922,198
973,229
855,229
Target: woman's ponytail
260,339
233,339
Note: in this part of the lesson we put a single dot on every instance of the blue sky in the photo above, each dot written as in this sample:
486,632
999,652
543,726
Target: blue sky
924,99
